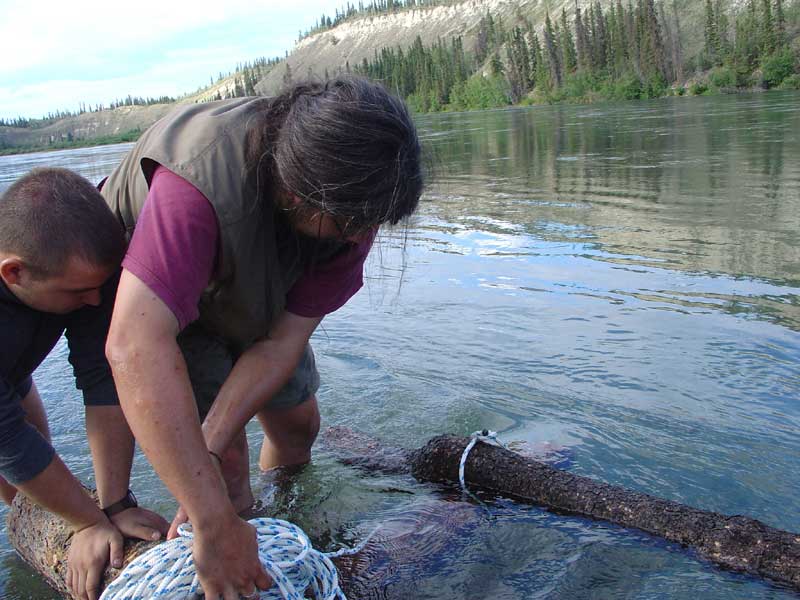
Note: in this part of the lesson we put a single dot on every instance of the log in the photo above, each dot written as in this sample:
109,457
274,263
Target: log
737,542
42,540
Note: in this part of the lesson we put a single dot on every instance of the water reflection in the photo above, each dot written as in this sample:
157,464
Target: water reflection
676,185
620,280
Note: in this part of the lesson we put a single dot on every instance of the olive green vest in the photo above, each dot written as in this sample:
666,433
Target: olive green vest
205,145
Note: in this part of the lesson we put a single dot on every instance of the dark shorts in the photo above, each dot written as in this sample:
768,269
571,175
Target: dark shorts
210,361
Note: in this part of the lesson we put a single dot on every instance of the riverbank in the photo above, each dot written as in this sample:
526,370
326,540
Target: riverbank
129,136
482,98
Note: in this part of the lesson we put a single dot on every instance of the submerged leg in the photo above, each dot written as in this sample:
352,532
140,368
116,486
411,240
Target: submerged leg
289,434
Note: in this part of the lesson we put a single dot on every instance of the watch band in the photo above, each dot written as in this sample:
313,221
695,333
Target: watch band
129,501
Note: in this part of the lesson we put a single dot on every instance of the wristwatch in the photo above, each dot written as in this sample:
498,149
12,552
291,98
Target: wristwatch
129,501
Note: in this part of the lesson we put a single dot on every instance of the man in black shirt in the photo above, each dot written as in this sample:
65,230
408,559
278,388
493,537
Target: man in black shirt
60,250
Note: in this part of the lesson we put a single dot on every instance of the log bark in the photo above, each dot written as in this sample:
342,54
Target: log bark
42,540
736,542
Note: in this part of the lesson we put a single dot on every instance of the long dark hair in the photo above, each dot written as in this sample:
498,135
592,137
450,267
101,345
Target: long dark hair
346,147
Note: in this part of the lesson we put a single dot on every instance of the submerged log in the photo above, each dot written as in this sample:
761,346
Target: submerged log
737,543
732,542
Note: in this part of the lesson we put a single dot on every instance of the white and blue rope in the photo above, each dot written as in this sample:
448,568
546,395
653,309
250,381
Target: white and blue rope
167,570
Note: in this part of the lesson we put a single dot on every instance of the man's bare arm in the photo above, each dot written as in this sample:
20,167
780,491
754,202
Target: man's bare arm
156,396
258,375
111,443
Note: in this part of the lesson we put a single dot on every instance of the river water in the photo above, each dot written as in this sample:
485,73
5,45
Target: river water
620,281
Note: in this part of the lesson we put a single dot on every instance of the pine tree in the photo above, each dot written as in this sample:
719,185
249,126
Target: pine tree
747,46
780,23
519,74
496,66
711,35
677,56
238,88
481,48
581,42
657,56
615,56
600,50
491,31
668,40
535,51
767,28
551,49
567,46
249,84
287,76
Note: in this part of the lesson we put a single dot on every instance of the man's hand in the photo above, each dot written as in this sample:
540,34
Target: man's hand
226,558
88,555
180,518
140,523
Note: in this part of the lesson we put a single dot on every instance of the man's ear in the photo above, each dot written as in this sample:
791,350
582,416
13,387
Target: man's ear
11,269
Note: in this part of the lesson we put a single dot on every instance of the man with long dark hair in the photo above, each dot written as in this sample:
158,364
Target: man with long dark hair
250,219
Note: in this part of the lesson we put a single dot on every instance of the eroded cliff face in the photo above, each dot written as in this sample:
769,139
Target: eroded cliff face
359,38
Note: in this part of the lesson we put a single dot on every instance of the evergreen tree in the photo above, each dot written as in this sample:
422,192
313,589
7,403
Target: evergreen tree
668,40
747,42
481,48
249,84
599,40
491,31
551,48
615,44
519,74
780,23
677,56
567,46
581,42
496,66
656,54
768,42
238,88
287,76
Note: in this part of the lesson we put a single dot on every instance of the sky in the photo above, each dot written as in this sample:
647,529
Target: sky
57,54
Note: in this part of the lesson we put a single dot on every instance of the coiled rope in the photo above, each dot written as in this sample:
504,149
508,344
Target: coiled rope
167,570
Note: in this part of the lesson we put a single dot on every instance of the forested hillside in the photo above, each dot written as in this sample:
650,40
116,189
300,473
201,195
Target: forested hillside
472,54
613,50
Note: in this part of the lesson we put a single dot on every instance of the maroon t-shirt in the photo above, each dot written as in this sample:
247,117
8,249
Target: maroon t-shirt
175,245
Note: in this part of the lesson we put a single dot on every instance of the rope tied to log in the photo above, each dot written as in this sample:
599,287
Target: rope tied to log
167,570
485,436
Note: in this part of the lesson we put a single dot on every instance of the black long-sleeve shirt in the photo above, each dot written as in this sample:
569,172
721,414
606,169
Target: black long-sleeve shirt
26,337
